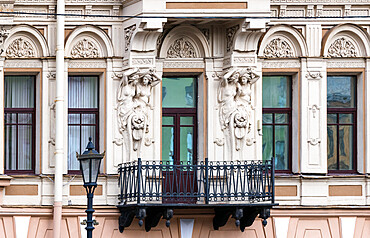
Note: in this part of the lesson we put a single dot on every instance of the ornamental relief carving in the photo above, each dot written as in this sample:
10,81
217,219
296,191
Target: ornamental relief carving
85,48
181,48
133,106
20,48
235,107
342,47
129,31
278,48
230,33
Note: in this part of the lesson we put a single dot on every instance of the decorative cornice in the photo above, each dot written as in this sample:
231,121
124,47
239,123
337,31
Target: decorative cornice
278,48
342,47
230,33
181,48
129,31
85,48
20,48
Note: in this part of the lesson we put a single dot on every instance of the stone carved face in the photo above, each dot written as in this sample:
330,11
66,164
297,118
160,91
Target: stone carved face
138,122
241,120
146,79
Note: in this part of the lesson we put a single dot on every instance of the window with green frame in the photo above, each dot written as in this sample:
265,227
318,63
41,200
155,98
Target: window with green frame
277,120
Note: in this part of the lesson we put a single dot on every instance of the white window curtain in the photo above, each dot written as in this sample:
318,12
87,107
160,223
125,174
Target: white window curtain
19,100
82,94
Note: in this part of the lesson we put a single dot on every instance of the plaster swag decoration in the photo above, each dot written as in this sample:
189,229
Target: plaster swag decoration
129,31
85,49
235,108
181,48
20,48
342,47
278,48
133,106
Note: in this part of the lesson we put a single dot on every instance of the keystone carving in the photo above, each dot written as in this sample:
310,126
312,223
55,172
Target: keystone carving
20,48
85,49
235,107
342,47
278,48
181,48
133,106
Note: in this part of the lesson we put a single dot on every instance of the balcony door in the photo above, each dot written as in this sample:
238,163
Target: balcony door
179,129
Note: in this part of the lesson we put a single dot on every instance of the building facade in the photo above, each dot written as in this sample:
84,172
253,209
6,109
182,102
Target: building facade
175,82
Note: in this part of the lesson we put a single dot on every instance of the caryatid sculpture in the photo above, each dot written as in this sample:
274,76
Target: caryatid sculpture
234,97
133,105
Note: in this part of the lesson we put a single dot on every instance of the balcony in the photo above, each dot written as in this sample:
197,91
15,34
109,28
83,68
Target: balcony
150,190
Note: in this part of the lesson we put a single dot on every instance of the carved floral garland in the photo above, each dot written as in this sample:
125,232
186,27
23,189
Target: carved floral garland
342,47
20,48
278,48
85,49
181,48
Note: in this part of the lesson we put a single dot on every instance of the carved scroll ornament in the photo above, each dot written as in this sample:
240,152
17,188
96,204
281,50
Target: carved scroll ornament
20,48
129,31
181,48
234,97
342,47
85,49
278,48
133,105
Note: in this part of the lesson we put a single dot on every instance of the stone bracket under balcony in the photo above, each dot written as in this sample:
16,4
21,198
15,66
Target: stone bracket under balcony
152,213
152,190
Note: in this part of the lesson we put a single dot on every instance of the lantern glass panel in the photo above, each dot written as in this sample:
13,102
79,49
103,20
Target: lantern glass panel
95,164
85,167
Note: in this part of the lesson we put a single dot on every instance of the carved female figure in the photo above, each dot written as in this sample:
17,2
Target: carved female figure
144,88
244,87
125,95
226,96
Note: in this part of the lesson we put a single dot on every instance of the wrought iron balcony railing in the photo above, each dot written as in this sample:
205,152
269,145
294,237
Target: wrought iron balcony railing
244,185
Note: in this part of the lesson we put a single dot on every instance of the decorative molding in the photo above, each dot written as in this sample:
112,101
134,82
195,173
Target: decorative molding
183,64
342,47
243,60
314,76
278,48
181,48
129,31
219,141
314,124
276,64
26,63
340,63
20,48
230,33
51,75
84,48
142,62
87,64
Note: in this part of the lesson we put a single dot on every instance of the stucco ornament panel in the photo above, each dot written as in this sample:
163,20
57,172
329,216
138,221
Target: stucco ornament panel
133,106
181,48
4,33
85,48
235,107
342,47
20,48
230,34
129,31
278,48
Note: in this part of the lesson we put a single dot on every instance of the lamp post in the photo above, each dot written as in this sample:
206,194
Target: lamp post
90,161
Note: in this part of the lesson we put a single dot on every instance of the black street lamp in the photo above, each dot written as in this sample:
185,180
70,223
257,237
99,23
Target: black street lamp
90,161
